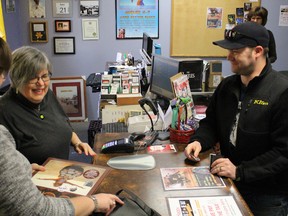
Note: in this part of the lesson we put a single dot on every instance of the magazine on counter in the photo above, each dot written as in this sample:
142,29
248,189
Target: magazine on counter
208,205
184,178
64,178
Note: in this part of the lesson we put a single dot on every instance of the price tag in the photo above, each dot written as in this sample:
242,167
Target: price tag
62,8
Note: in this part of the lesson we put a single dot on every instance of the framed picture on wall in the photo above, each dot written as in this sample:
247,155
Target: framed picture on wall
89,8
62,8
37,9
71,93
10,6
64,45
62,25
39,31
133,18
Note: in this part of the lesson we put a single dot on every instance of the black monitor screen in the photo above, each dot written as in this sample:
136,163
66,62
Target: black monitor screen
162,69
147,44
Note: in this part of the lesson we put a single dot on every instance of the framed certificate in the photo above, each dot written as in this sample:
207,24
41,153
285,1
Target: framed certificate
62,8
64,45
90,29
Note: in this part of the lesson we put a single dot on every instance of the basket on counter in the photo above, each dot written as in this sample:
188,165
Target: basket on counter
181,136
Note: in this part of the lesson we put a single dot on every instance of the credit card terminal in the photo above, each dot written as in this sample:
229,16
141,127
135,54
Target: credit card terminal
118,146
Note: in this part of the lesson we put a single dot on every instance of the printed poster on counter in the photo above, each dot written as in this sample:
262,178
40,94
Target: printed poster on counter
133,17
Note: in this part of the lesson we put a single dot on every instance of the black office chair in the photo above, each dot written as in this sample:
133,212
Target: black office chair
284,72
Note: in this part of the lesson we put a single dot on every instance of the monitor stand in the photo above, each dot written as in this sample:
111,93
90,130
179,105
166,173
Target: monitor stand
163,103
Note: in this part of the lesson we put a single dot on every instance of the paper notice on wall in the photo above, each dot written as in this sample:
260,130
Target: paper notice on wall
283,16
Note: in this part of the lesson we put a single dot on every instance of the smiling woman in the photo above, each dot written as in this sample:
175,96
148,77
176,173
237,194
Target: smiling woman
30,99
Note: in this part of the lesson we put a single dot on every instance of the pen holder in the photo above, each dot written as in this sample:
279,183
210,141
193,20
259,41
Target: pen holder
180,136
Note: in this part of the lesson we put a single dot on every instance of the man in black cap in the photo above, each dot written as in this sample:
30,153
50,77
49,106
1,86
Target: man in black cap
248,117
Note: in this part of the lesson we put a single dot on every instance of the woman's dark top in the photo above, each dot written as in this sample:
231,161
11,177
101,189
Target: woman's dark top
40,130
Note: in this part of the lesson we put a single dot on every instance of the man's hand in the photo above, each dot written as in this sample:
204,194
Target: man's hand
192,151
224,167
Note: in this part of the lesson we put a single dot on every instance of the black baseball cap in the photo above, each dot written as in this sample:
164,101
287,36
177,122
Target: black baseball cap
248,34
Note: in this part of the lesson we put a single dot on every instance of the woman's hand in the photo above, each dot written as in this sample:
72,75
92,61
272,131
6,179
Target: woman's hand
36,167
84,147
107,202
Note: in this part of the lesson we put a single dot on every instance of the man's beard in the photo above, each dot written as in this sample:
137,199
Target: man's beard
246,71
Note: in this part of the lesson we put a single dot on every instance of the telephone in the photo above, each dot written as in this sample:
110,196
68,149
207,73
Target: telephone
119,145
150,103
94,80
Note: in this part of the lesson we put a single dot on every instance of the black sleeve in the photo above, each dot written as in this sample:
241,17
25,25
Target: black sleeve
272,48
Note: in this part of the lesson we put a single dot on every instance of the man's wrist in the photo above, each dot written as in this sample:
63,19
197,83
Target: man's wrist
238,174
95,202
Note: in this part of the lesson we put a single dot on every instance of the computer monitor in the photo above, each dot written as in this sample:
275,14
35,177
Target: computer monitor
147,44
162,69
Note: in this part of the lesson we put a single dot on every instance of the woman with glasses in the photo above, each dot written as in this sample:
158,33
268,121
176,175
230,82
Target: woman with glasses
32,113
259,15
19,195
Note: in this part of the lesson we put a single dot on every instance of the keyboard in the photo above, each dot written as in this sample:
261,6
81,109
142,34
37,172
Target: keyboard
115,127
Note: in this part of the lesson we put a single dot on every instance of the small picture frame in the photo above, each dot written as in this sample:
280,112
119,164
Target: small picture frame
240,12
62,25
64,45
71,93
10,6
39,31
89,8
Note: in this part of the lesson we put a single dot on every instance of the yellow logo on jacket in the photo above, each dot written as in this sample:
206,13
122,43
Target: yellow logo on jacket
260,102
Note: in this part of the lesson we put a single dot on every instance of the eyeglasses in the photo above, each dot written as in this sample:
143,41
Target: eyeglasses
44,78
234,36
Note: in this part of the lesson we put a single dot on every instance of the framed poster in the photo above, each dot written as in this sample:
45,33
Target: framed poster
62,25
135,17
62,8
39,31
90,29
64,45
89,8
71,93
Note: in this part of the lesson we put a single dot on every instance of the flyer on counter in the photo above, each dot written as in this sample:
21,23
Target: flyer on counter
160,149
183,178
208,206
